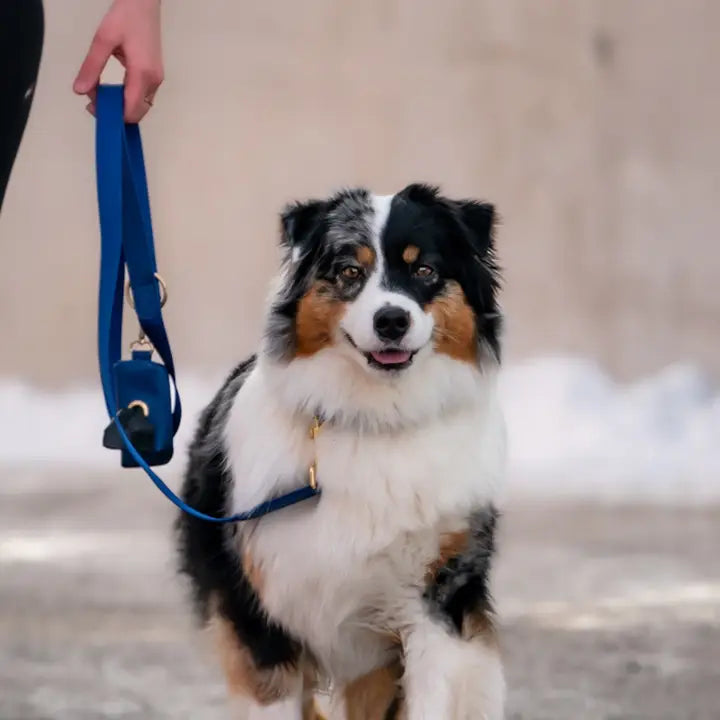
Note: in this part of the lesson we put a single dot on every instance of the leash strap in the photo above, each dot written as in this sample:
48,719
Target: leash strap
127,241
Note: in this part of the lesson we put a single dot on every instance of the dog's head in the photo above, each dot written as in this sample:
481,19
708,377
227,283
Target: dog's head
386,284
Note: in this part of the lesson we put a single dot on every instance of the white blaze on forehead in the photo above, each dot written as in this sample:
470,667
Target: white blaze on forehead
358,320
381,206
381,211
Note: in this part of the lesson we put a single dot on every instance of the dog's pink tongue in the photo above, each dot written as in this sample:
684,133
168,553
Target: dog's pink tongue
390,357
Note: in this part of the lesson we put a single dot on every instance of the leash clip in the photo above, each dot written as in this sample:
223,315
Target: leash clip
142,343
312,470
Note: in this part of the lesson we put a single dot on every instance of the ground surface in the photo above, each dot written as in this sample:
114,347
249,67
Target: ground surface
609,612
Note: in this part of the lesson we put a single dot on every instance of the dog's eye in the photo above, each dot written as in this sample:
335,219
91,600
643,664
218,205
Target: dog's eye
425,272
350,272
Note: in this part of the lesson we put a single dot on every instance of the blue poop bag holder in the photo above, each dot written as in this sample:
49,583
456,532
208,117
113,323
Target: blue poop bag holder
139,392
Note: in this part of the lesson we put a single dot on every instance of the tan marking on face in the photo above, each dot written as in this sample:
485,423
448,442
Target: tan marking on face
369,697
318,317
365,256
455,332
410,254
242,675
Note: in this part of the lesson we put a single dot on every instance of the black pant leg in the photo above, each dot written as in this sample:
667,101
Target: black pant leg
22,27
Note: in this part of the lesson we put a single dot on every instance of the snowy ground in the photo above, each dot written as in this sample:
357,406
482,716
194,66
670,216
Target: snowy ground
607,580
572,430
609,612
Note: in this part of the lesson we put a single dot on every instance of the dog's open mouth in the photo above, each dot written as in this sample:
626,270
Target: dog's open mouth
390,359
387,359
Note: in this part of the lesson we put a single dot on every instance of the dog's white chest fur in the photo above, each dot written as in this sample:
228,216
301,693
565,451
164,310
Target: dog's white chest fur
346,571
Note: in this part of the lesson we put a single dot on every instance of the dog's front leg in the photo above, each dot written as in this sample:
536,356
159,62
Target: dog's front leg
452,662
449,677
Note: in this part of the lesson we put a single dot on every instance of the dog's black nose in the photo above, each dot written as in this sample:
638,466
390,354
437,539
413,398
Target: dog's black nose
391,322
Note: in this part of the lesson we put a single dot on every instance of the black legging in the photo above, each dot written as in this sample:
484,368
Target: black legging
22,29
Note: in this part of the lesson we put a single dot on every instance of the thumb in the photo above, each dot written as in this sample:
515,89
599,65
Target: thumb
93,65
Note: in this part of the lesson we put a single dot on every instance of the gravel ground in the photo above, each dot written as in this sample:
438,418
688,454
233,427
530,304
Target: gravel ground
610,612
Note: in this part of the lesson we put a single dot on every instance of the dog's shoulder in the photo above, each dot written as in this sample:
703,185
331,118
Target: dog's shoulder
207,483
214,417
219,584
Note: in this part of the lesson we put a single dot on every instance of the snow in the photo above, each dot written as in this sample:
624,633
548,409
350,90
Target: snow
66,428
572,430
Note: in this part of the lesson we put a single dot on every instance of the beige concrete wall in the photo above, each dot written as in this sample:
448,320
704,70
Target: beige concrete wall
591,123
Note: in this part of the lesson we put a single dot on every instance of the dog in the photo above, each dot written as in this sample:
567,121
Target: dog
376,376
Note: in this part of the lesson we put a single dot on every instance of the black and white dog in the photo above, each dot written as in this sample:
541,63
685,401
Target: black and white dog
384,327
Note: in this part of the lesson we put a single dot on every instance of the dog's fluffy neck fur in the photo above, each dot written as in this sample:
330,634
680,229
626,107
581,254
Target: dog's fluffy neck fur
341,393
280,400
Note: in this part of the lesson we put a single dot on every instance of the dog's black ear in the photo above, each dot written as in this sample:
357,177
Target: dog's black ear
301,223
479,218
423,193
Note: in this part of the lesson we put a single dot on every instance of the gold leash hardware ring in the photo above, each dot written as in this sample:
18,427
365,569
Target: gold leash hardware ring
142,343
141,404
163,292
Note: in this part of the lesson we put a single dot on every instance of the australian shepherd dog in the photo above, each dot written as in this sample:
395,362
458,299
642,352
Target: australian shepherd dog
376,378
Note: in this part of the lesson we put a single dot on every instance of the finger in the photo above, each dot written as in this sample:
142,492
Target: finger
140,89
92,97
89,74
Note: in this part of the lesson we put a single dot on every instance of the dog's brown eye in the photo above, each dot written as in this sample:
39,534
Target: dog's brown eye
350,272
425,272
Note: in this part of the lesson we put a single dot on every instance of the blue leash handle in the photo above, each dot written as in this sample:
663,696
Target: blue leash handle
127,241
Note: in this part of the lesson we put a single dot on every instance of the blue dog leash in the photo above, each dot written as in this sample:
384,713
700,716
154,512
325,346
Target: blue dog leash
137,391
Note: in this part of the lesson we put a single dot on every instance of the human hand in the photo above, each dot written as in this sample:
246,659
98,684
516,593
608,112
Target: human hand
130,31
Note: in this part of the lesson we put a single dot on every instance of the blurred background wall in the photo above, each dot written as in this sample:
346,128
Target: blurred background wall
592,124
